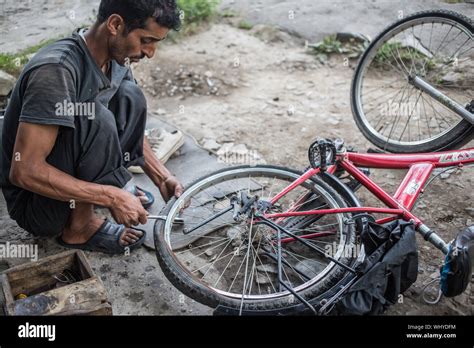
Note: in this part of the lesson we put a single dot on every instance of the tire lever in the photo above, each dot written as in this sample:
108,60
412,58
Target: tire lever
177,221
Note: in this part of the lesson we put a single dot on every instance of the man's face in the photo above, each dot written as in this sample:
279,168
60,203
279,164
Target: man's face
137,44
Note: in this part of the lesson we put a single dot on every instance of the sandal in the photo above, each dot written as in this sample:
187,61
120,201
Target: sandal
133,189
106,240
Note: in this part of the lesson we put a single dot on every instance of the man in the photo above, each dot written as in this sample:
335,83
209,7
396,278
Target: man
76,121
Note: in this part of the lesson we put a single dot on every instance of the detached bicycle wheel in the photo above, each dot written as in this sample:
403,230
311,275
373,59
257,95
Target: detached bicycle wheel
396,116
235,264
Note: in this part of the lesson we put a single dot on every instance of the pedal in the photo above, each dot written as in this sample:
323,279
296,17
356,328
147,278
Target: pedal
470,106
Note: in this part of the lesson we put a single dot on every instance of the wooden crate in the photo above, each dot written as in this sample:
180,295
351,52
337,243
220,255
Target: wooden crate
47,296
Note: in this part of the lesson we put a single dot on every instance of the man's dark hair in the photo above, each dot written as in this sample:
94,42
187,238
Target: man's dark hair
135,13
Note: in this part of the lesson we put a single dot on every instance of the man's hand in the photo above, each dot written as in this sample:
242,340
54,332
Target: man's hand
167,183
171,187
127,209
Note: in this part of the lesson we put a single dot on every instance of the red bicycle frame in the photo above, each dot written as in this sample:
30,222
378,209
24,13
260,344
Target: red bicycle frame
420,168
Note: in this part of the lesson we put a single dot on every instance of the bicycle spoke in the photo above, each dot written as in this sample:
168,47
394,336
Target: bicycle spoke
232,257
432,50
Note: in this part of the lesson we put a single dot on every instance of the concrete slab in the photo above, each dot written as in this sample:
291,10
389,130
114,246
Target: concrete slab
192,163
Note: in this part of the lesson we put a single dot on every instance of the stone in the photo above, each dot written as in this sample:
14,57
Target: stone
263,279
7,82
270,34
233,233
225,149
310,267
470,211
161,112
268,268
204,269
211,145
240,149
352,36
452,77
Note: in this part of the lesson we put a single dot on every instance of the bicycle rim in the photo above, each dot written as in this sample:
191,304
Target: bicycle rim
395,109
255,278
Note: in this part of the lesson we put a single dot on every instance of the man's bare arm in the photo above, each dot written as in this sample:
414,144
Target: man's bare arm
31,172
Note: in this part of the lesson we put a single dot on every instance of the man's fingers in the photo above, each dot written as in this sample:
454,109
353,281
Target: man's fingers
137,234
166,195
179,191
144,217
134,221
163,191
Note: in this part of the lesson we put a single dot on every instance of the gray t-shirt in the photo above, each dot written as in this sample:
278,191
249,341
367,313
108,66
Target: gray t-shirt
49,93
59,77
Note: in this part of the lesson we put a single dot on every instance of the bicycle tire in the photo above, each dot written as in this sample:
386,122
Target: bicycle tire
458,136
205,295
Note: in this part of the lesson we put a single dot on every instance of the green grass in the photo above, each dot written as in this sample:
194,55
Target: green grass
331,45
391,52
196,12
245,25
13,63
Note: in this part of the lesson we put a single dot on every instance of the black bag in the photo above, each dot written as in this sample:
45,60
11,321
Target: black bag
390,268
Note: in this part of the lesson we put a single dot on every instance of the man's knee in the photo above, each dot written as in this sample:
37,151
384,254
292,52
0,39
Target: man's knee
129,106
130,90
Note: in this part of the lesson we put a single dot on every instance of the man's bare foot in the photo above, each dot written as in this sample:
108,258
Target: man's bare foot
142,196
83,224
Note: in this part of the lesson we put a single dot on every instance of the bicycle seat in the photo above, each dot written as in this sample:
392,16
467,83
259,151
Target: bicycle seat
457,269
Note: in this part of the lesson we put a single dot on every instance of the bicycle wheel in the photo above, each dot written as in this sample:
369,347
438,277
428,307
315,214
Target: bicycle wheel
437,46
233,264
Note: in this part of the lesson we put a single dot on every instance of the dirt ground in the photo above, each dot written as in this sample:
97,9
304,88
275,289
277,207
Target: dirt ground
263,90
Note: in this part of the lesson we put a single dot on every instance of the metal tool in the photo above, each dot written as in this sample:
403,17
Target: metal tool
177,221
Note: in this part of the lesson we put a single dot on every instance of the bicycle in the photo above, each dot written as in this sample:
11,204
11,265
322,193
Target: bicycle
266,239
413,89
